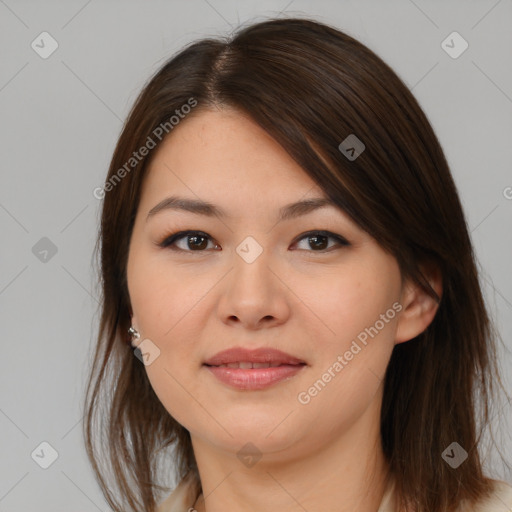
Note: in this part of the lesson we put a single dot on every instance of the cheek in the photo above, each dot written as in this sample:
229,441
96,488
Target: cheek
170,386
164,305
348,301
160,297
353,354
357,308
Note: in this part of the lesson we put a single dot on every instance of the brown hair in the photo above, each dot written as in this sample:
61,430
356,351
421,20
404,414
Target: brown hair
310,86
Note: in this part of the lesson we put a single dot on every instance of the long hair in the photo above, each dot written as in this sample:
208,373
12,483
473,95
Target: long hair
309,86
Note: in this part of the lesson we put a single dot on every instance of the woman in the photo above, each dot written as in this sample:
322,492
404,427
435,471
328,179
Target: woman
325,346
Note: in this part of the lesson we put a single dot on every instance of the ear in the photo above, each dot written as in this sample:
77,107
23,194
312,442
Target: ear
133,320
419,308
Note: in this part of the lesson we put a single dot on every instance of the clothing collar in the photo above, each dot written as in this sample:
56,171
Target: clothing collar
184,496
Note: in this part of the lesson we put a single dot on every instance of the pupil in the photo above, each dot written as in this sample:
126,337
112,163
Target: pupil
319,245
316,238
195,238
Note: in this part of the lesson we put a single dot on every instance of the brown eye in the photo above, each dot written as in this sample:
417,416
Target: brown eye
318,240
195,241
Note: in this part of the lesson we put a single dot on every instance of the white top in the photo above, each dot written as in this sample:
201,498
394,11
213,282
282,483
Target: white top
184,496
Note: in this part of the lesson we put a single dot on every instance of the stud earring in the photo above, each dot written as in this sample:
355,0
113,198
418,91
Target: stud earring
134,334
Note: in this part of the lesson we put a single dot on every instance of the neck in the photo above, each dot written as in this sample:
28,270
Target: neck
349,473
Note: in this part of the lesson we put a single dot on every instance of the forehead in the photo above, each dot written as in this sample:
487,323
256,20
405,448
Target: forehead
224,151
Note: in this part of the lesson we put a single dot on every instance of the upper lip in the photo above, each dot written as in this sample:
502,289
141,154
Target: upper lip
259,355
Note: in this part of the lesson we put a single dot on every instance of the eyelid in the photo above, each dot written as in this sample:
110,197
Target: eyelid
178,235
169,240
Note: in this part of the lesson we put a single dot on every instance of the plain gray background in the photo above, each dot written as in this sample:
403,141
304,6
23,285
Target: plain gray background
60,119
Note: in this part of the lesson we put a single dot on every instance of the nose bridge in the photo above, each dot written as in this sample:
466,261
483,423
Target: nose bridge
250,250
252,290
251,264
255,294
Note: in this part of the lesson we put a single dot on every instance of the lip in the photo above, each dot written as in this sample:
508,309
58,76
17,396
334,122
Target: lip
259,355
284,366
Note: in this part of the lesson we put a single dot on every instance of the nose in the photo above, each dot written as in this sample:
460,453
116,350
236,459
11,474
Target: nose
253,294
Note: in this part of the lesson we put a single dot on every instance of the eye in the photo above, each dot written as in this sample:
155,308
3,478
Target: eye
318,239
197,241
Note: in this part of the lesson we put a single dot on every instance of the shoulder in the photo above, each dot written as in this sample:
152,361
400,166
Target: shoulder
500,499
183,497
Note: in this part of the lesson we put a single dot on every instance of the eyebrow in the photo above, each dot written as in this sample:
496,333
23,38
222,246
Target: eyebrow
200,207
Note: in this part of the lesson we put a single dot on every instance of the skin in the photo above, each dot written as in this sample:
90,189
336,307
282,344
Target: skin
309,302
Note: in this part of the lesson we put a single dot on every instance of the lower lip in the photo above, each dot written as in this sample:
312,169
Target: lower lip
254,378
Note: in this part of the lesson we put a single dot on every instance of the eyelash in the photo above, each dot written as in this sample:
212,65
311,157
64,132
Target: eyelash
171,239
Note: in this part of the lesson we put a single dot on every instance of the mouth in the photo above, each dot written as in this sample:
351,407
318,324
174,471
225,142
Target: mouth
243,357
248,365
253,369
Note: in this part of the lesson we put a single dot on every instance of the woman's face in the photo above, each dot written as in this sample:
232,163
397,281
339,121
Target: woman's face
254,280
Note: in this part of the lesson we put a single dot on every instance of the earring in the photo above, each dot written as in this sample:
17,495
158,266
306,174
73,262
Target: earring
134,336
